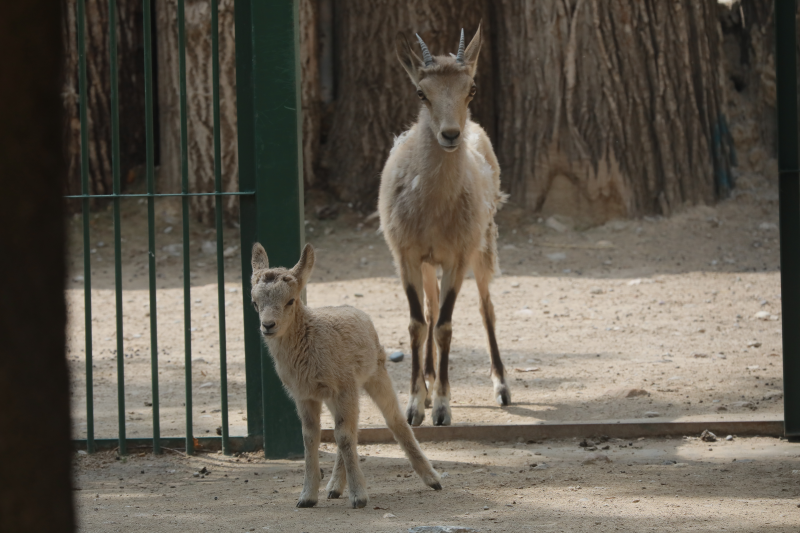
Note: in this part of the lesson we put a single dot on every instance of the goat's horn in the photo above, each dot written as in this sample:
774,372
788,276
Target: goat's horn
460,55
426,54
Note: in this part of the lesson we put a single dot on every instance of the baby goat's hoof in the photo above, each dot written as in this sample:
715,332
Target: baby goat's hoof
359,503
333,495
436,486
306,503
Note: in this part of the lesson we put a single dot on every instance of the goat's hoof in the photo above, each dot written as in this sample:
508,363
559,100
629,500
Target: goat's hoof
333,495
415,417
359,503
435,485
427,403
302,502
503,395
441,417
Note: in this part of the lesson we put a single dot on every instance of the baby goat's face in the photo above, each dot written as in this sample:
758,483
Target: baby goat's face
275,292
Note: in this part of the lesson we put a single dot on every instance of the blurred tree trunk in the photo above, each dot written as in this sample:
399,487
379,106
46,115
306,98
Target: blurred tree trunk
36,487
611,109
200,118
375,99
131,91
199,100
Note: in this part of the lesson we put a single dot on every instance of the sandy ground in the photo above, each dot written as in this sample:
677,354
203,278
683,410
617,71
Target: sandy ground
746,485
666,306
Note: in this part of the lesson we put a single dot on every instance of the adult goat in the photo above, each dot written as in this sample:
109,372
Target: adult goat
440,190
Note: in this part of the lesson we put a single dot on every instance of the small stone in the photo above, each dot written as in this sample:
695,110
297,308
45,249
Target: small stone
762,315
208,247
358,295
699,355
744,404
541,466
596,458
554,224
636,501
196,474
396,357
652,414
596,290
389,515
729,437
230,251
767,226
515,285
707,436
754,344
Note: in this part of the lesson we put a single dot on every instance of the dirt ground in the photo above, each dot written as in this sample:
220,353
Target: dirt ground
686,309
746,485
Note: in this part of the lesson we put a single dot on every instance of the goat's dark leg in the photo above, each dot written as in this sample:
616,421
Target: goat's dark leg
483,275
431,286
452,277
411,277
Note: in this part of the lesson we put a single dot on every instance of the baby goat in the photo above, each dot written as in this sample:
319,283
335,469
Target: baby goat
327,355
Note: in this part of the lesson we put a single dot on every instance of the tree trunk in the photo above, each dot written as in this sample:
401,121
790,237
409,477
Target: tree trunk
200,118
36,488
611,109
375,99
131,91
199,100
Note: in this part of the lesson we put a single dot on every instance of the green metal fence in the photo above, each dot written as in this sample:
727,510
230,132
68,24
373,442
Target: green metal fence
271,201
789,190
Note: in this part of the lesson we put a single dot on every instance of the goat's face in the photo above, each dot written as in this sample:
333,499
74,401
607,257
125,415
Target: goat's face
445,85
275,292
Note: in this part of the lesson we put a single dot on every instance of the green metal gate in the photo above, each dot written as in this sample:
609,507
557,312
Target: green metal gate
789,190
271,212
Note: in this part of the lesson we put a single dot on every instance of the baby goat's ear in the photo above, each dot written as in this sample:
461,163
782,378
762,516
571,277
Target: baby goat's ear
260,261
302,270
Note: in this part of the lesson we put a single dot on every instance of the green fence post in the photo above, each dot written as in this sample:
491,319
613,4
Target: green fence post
270,162
789,190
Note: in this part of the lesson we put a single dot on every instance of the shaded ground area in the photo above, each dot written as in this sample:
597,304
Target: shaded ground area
746,485
685,309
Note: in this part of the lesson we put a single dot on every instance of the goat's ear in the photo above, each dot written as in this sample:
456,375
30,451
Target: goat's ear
302,270
472,52
260,261
410,61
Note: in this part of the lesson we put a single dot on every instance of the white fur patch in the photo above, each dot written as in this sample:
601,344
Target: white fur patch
415,181
399,140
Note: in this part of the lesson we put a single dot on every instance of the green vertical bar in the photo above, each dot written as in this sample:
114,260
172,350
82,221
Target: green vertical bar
87,266
247,210
187,282
789,191
112,49
223,362
151,217
272,145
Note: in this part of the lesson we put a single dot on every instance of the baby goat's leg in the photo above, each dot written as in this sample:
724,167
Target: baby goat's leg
452,277
339,477
483,275
411,277
380,389
345,430
431,286
309,411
